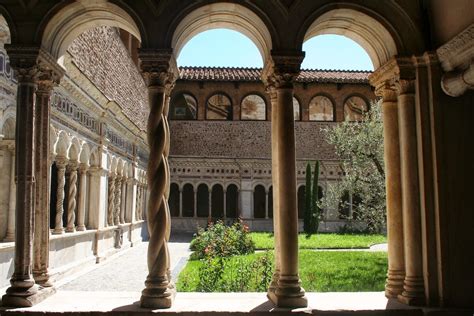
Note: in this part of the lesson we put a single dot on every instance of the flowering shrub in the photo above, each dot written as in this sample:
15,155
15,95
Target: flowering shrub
219,240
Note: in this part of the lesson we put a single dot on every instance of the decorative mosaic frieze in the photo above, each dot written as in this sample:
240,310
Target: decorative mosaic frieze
73,111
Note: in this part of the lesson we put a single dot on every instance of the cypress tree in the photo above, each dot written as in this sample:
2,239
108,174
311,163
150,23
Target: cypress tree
307,200
315,213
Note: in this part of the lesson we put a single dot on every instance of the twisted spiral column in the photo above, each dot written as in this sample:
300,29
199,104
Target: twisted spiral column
118,199
111,200
159,291
61,166
138,202
71,201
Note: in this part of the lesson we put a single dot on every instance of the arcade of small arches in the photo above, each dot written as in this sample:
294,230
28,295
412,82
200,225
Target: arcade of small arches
253,107
421,204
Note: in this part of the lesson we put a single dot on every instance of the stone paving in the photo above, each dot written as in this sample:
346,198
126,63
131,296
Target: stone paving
127,272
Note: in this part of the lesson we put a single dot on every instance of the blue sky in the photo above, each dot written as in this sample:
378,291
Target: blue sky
221,47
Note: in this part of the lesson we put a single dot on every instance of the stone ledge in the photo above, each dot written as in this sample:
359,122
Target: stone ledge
126,303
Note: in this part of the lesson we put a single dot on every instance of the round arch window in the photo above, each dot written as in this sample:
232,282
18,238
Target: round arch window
253,107
354,108
219,107
296,109
183,107
321,108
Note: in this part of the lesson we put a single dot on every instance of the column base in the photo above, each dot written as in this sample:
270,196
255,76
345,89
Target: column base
19,297
81,228
289,293
394,284
9,238
413,292
58,231
158,296
42,279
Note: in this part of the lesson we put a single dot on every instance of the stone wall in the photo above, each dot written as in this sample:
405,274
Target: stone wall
116,76
244,139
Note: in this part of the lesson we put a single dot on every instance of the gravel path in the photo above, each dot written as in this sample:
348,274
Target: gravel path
127,272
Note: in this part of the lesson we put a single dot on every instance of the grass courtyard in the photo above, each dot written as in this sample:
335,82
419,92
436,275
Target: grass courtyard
320,271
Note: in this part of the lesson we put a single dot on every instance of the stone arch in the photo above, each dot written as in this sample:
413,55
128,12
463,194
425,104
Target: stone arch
173,200
222,15
74,150
189,202
350,21
259,203
5,15
202,203
74,19
219,107
259,115
8,128
297,113
217,201
322,117
63,144
355,110
183,106
94,160
232,200
85,155
53,140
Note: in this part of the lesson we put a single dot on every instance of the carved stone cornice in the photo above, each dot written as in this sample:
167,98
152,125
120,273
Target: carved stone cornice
159,68
459,51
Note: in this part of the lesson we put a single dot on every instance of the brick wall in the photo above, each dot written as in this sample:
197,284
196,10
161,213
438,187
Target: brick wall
100,54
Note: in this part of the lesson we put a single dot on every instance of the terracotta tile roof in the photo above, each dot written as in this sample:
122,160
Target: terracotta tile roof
253,74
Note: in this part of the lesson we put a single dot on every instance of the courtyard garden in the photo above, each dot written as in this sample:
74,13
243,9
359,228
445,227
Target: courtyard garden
232,259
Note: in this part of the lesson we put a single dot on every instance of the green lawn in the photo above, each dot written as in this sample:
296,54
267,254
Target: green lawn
323,241
320,271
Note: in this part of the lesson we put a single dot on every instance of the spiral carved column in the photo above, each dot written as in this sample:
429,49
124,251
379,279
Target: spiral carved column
61,166
139,196
118,199
71,197
160,72
111,200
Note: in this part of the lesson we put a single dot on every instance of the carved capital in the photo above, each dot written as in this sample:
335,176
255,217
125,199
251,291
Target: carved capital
83,168
158,68
282,70
405,86
398,74
61,162
387,91
34,65
73,165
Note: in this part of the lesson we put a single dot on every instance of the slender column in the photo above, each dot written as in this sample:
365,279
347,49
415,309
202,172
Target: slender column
46,82
81,207
195,203
61,167
160,72
266,204
10,235
118,199
225,205
111,200
123,206
413,288
289,292
276,209
23,289
71,201
209,216
396,259
180,202
139,202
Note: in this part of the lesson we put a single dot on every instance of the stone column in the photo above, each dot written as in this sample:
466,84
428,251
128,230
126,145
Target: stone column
123,206
72,194
139,203
23,291
61,167
47,79
209,215
160,72
131,214
10,235
180,202
282,74
383,80
225,205
117,199
81,206
413,287
276,209
266,203
111,200
195,203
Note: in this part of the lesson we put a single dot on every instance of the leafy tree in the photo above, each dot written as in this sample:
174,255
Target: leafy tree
359,145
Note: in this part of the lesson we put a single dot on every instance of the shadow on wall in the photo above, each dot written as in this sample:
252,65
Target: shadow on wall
145,235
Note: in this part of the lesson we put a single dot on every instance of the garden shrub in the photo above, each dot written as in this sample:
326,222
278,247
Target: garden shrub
219,240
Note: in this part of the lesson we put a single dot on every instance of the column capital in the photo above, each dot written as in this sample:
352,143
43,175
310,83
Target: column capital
72,165
159,68
35,65
282,70
391,74
83,168
61,162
